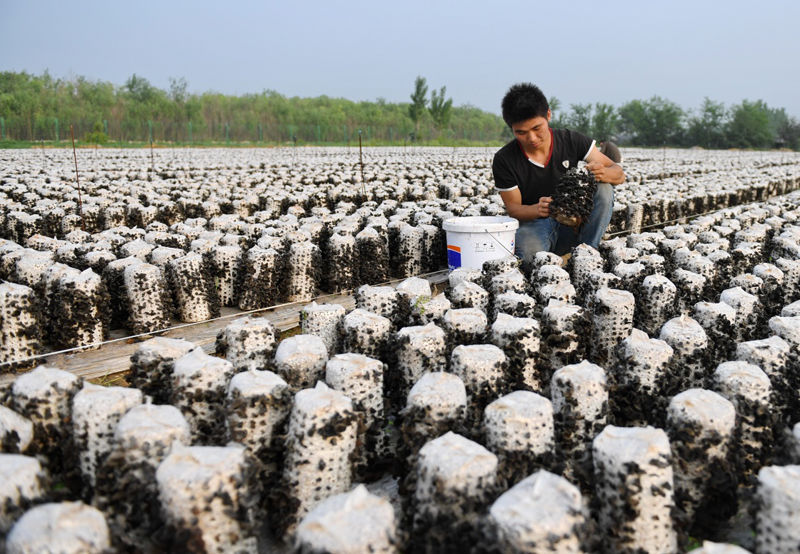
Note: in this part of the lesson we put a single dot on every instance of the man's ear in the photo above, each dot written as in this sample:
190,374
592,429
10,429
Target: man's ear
549,114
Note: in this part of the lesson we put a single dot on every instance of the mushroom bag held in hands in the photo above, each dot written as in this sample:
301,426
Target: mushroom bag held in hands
573,199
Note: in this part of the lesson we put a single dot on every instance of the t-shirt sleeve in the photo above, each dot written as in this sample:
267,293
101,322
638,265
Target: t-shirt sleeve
503,177
581,144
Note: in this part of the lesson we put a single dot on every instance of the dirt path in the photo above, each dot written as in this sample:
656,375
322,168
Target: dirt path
112,358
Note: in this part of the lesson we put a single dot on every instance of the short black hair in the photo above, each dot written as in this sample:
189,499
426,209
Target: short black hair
524,101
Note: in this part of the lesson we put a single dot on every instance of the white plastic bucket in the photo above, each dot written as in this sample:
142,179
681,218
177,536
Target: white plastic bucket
476,239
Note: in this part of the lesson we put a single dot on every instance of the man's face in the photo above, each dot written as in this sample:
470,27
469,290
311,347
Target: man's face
532,133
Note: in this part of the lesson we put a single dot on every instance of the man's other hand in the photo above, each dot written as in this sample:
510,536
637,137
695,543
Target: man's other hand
543,206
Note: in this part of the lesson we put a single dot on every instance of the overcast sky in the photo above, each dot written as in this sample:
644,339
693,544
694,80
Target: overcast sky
575,50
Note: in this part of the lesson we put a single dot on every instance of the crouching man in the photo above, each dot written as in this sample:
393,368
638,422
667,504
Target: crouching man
527,170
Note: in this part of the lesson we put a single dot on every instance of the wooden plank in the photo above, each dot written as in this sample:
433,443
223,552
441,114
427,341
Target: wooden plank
114,357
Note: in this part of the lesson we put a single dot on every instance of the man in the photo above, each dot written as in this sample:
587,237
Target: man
527,170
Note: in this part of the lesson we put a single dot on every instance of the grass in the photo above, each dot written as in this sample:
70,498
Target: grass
16,144
119,379
693,544
290,332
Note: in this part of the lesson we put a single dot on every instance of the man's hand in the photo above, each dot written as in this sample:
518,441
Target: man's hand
525,212
543,207
603,169
599,171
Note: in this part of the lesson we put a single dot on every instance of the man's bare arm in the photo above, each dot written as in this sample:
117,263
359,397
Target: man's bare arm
603,168
523,212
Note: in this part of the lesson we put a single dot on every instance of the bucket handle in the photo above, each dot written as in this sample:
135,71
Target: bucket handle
503,246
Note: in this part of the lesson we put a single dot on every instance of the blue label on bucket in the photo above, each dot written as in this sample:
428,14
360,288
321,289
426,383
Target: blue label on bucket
453,256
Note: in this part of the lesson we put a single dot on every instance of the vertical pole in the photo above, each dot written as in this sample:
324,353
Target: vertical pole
361,162
150,128
190,132
77,180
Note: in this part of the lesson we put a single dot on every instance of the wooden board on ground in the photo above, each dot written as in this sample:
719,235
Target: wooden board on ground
113,357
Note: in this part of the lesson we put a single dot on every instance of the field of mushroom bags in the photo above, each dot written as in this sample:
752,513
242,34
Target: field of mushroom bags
640,398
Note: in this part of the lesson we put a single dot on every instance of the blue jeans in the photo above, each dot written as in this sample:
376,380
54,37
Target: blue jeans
546,234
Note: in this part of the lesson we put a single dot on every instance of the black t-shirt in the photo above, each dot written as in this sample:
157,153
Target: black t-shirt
512,168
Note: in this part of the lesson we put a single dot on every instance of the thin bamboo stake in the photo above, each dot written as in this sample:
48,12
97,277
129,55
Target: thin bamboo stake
77,180
361,162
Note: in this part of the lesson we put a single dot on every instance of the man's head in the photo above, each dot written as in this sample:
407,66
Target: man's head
522,102
526,111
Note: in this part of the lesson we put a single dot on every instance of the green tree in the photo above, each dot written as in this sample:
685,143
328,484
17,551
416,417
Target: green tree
419,102
653,122
666,121
30,104
178,89
440,109
605,121
555,112
785,128
633,120
707,128
140,89
97,136
749,125
20,98
579,118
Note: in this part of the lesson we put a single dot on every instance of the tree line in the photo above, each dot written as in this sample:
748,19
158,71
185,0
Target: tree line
42,108
660,122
